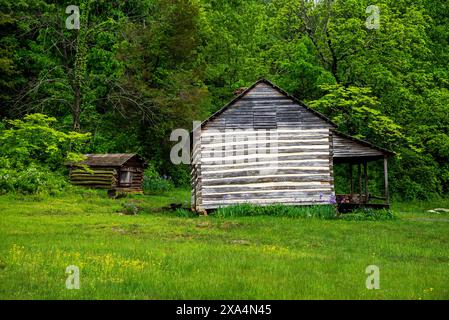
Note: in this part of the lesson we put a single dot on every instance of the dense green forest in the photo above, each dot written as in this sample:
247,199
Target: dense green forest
135,70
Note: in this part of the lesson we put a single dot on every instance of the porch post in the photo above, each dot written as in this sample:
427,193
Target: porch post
365,173
351,178
387,195
359,171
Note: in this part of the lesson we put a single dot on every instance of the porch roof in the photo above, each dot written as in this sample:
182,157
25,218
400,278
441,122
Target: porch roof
350,149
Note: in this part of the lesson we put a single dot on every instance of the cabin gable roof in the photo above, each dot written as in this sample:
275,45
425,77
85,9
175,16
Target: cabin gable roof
276,88
110,159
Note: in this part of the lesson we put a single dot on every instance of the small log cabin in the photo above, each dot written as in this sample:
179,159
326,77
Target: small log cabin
267,147
122,172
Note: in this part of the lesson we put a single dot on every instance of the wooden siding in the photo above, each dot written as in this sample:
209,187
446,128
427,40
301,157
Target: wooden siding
346,148
136,179
291,167
196,170
263,149
100,178
136,167
108,176
264,107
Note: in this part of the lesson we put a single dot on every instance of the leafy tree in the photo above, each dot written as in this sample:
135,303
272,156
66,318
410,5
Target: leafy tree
356,112
35,140
33,153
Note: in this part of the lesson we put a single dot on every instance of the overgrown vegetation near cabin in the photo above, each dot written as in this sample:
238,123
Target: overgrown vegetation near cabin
164,254
131,79
318,211
32,155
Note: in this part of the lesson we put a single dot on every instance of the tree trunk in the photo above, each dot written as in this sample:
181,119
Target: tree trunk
334,59
79,71
76,110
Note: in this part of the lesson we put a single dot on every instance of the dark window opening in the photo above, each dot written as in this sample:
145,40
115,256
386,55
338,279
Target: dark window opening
125,178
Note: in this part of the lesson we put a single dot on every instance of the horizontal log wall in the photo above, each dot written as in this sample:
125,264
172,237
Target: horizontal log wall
102,178
294,171
107,178
136,167
196,170
263,149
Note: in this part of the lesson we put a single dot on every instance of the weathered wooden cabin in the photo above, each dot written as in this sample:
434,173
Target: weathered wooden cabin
267,147
121,172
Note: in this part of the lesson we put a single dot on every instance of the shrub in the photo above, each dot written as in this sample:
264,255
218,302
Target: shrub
153,183
32,180
180,175
318,211
130,208
33,153
368,214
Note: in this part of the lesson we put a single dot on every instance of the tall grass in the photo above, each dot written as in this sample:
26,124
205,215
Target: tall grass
368,214
317,211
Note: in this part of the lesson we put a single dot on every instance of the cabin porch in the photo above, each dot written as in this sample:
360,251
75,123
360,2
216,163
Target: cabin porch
358,192
360,174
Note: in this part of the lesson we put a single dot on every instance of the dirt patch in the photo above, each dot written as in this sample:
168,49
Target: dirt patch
241,242
230,225
132,229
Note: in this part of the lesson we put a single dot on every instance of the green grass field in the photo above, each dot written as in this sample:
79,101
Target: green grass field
159,255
